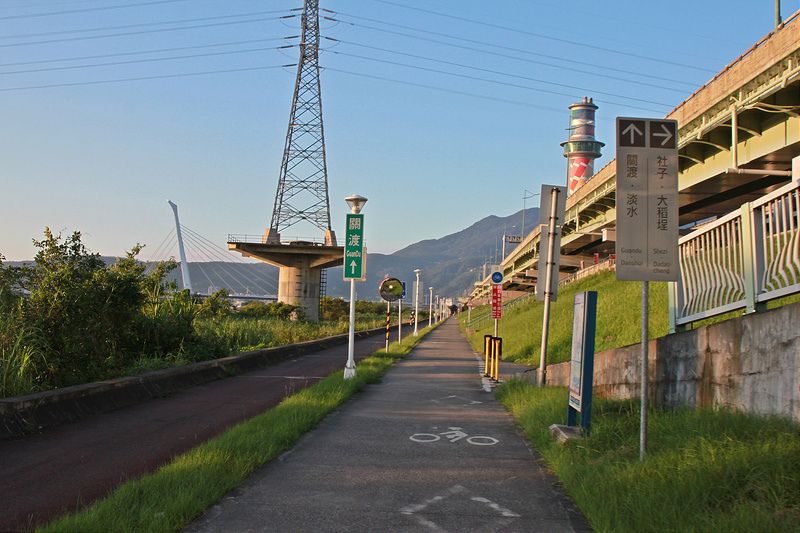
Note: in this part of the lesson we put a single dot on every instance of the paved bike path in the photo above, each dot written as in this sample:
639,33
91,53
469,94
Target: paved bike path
427,450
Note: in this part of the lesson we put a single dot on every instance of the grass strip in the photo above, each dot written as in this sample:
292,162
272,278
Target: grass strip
618,320
705,470
173,496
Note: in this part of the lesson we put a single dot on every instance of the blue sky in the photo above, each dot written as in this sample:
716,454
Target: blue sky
439,112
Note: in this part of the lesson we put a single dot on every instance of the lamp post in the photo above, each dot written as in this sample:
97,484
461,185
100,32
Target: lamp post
355,202
416,301
430,312
524,198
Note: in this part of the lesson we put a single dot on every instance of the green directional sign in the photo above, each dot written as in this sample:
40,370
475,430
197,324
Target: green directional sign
354,248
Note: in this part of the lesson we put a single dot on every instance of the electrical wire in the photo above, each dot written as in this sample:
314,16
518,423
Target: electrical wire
518,86
88,10
450,91
143,78
149,60
541,36
147,24
500,47
506,56
143,52
147,32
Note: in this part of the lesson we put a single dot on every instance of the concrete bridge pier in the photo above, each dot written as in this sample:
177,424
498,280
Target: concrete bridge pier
300,264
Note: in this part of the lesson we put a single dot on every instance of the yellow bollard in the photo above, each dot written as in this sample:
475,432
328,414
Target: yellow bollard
487,350
497,352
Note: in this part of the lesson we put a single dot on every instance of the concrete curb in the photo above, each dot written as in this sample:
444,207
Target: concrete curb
23,414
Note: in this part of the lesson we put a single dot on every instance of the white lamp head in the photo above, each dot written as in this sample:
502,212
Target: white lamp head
356,202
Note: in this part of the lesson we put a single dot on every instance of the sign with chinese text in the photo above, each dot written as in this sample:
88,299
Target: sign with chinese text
354,248
581,370
647,199
497,301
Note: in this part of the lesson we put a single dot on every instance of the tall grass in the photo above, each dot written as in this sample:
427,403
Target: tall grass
704,470
234,334
170,498
23,365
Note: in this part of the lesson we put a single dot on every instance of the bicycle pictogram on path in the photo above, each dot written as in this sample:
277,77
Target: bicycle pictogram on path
454,434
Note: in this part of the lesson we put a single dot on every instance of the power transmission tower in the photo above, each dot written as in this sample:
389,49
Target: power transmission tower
303,186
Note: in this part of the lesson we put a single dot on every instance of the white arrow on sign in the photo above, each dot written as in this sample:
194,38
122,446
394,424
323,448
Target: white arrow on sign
667,134
353,266
633,130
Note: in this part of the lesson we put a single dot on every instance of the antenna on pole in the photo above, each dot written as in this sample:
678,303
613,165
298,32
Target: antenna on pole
302,194
187,282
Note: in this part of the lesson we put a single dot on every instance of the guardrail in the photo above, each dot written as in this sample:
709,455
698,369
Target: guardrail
259,239
739,261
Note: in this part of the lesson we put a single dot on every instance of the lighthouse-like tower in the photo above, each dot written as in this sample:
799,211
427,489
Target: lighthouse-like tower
582,148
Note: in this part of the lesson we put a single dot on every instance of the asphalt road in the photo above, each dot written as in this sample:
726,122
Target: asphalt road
67,467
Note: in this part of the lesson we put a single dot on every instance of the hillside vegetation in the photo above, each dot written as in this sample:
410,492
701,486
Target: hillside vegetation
619,318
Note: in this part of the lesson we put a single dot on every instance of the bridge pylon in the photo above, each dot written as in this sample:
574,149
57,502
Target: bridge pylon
302,195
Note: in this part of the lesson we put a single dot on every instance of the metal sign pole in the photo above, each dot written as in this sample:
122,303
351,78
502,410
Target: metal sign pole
644,375
350,367
400,318
551,236
388,322
647,226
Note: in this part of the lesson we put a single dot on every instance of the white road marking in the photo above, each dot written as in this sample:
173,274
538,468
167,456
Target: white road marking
415,510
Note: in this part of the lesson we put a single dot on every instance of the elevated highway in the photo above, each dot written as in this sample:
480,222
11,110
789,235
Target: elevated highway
738,135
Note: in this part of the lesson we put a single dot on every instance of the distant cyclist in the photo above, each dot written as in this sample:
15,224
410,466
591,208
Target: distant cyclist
411,320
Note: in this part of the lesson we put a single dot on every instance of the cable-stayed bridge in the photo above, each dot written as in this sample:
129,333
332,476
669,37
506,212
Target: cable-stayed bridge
210,267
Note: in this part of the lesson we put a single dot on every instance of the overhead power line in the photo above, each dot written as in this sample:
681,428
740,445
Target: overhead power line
541,36
497,46
144,78
128,34
88,10
149,60
506,56
559,110
417,67
147,24
143,52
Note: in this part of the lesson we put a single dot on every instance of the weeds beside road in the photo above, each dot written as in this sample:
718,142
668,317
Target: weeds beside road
705,470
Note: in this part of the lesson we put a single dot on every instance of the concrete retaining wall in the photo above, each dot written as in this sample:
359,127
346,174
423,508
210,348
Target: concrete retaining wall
751,363
22,414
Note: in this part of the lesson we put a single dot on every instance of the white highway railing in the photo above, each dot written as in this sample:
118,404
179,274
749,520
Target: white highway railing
739,261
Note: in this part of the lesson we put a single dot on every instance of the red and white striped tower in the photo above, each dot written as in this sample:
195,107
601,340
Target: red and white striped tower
582,148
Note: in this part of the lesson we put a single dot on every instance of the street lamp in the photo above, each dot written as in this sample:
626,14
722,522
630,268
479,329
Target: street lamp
355,202
525,197
430,312
416,301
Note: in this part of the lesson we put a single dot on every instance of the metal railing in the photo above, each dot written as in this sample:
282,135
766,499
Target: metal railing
740,261
259,239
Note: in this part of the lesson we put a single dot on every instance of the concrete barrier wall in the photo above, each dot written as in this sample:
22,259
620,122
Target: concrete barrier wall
751,363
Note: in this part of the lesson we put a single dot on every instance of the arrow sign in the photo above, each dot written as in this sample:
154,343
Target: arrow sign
665,131
354,248
647,201
631,132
